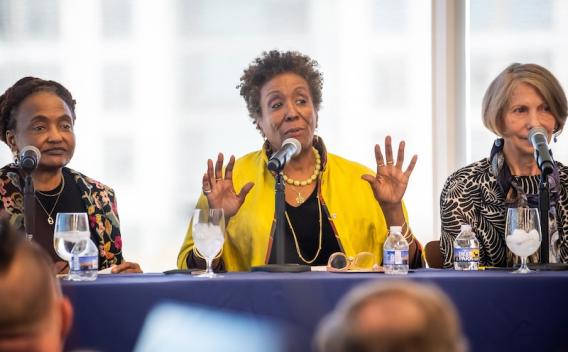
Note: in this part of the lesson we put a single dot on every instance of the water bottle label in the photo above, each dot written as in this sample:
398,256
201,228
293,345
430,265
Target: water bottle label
81,263
401,257
394,257
466,255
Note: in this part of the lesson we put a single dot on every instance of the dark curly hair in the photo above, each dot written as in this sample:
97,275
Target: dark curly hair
13,97
272,63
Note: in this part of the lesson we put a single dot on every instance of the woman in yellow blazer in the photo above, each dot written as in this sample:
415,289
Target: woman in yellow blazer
332,204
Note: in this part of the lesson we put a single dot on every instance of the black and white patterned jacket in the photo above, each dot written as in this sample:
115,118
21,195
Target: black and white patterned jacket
472,196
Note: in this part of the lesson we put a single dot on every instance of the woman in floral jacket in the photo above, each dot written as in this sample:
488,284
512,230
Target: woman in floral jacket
39,113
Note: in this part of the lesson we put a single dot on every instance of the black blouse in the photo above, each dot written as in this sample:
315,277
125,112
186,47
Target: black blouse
69,202
304,219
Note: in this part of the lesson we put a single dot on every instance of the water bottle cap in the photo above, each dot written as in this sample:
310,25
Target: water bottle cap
394,229
465,227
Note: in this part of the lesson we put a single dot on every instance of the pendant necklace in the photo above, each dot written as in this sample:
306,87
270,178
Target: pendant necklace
299,198
291,182
58,194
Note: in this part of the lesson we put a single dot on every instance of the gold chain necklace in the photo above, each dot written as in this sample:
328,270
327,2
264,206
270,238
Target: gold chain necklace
49,218
299,198
296,238
312,178
54,194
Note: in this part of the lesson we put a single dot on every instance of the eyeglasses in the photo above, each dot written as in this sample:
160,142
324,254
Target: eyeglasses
363,261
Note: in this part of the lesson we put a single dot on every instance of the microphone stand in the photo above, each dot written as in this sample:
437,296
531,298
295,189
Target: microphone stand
279,238
278,242
29,206
544,207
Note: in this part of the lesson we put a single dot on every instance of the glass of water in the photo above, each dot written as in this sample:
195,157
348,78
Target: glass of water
208,229
70,237
522,234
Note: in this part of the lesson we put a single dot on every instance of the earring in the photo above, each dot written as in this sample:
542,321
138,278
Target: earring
267,147
316,137
555,139
315,140
16,158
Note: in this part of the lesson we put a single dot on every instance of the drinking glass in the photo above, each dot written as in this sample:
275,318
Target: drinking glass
70,236
208,228
522,234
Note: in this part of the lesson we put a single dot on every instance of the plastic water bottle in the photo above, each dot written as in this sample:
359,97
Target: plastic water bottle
466,250
395,253
84,261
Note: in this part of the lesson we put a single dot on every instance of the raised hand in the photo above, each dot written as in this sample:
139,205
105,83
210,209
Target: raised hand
220,191
389,184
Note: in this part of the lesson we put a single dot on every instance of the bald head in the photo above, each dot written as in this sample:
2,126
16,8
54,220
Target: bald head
390,313
33,314
392,316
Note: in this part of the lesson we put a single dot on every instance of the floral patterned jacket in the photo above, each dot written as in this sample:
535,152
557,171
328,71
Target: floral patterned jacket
99,202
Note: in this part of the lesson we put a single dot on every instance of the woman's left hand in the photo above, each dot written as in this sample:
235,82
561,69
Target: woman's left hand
389,184
126,267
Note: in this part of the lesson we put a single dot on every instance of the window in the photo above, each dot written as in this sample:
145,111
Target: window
205,18
118,159
116,18
157,99
503,32
117,86
31,20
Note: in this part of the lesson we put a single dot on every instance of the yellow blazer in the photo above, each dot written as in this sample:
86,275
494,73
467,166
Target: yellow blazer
347,200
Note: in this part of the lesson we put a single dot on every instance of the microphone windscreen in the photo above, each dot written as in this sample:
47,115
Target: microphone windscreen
30,150
29,157
296,144
536,132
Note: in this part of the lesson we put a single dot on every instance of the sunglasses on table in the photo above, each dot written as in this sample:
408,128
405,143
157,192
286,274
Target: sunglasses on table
362,262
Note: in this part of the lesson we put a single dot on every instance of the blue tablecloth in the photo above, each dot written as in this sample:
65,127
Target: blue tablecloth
499,311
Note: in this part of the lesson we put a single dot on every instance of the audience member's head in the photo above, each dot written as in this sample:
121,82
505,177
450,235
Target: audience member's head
34,316
392,316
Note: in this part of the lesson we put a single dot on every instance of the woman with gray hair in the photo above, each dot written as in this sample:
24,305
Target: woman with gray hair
521,98
400,316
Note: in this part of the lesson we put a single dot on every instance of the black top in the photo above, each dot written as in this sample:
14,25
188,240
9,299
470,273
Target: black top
305,221
69,202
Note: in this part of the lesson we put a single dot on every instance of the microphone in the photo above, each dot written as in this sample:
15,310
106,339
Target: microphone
29,158
290,148
542,153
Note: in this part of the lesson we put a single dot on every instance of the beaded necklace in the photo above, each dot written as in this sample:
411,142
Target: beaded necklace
317,169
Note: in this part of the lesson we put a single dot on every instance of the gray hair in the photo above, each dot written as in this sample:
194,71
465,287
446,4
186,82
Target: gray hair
497,97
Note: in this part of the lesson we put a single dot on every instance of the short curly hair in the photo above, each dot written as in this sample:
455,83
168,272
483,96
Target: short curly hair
15,95
272,63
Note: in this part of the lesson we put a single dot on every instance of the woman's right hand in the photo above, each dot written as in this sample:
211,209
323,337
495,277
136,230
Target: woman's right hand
61,267
219,189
